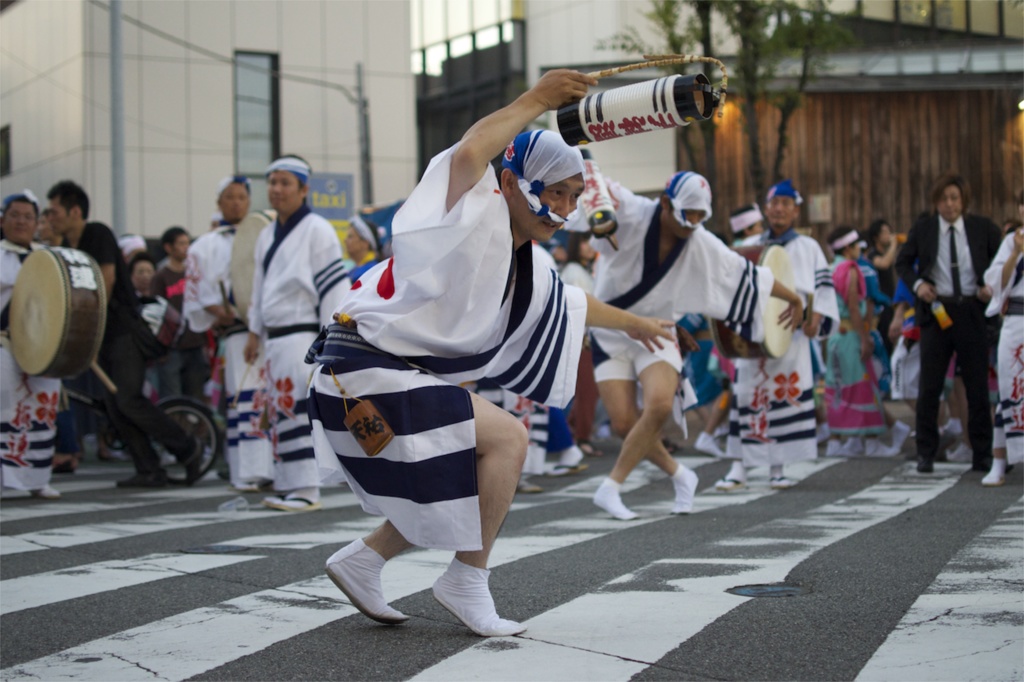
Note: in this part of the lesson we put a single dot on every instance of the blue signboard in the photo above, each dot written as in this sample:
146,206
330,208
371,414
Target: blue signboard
330,196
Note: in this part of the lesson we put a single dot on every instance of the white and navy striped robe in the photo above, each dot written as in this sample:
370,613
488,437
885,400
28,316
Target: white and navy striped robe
1010,414
28,404
771,420
451,306
208,266
298,281
701,275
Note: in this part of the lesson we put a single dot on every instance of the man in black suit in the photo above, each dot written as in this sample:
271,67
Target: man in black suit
951,251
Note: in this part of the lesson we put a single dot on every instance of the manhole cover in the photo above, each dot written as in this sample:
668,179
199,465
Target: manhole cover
780,590
215,549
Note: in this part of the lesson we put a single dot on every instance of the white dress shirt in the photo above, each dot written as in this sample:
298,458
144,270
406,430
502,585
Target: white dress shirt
941,271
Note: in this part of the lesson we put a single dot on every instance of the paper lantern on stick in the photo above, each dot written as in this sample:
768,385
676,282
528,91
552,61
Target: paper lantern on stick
669,102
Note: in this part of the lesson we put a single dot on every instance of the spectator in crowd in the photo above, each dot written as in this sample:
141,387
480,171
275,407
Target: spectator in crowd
186,368
362,244
952,250
122,355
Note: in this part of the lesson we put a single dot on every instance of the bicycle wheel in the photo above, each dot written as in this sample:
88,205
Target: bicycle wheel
197,420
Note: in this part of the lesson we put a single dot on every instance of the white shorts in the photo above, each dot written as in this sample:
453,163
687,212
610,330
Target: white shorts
628,365
906,370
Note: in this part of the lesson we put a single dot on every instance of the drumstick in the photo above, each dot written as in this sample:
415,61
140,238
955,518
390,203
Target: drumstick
238,392
224,295
104,379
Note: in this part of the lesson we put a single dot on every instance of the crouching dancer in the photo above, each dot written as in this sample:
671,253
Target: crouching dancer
460,299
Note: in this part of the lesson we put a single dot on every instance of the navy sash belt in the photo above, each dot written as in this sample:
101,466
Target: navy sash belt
277,332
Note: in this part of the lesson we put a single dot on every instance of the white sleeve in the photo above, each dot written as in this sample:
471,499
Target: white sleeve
994,277
329,275
255,321
825,303
201,289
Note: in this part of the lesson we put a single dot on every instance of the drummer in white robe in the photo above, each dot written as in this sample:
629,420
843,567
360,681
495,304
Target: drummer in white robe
667,264
771,422
28,404
460,299
297,284
1006,277
208,280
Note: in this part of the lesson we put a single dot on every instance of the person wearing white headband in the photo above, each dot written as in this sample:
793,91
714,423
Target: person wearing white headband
209,305
853,401
746,223
773,432
298,282
27,402
362,245
461,299
667,265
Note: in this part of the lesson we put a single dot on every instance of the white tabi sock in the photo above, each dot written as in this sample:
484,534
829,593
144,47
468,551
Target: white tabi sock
996,475
356,569
462,589
684,481
737,472
607,497
775,471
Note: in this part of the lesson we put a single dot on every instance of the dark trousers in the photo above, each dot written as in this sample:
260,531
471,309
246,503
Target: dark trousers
136,419
967,338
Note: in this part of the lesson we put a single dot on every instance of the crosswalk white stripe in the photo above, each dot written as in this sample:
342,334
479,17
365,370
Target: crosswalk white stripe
238,627
71,536
587,634
193,642
65,506
979,591
17,594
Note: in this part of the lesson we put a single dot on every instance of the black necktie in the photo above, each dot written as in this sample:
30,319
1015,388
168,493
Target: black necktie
954,265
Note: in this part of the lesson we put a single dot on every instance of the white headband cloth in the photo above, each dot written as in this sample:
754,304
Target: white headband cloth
689,191
540,158
844,241
745,218
296,167
363,230
230,180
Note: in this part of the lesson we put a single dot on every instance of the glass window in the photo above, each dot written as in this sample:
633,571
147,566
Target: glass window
437,55
461,46
487,37
916,12
257,135
5,151
951,14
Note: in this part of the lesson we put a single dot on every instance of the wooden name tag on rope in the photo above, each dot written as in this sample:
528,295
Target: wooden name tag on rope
365,422
368,427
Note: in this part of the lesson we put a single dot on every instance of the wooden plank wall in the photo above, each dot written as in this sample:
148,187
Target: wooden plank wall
877,155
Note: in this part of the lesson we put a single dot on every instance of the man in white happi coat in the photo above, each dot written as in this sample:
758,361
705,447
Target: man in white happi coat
28,404
461,299
1006,277
667,264
771,421
208,283
297,284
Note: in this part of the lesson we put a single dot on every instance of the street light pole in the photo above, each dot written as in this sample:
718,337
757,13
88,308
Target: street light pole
117,172
363,107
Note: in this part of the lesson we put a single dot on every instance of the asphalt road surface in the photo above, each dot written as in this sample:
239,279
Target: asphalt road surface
893,575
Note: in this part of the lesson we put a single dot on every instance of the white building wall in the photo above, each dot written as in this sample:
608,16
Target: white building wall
42,97
179,111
